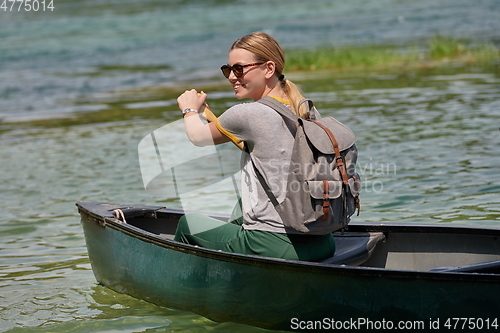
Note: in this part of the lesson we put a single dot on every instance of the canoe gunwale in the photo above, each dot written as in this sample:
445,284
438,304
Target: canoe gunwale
97,216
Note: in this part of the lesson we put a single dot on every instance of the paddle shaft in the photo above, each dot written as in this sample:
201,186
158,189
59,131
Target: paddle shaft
211,117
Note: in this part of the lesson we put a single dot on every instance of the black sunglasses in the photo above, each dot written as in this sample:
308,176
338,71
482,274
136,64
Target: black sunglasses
237,69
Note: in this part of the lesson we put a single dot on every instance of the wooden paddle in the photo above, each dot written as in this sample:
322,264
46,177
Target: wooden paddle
208,114
211,117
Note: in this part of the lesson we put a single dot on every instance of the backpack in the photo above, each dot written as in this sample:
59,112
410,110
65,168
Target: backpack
322,187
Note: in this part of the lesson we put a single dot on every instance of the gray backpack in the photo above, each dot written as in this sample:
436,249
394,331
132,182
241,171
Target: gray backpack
322,186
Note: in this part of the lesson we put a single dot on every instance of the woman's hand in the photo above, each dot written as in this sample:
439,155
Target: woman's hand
191,99
199,133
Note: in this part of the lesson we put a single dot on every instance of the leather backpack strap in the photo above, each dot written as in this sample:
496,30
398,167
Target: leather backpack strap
326,200
338,157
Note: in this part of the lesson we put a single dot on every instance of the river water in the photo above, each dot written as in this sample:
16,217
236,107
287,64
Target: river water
83,85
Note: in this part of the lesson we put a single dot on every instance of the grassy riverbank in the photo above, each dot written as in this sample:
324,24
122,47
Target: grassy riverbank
435,54
437,51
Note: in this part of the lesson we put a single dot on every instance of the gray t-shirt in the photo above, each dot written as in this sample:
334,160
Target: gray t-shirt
270,141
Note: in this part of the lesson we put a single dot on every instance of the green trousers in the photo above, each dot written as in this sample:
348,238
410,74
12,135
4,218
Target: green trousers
198,229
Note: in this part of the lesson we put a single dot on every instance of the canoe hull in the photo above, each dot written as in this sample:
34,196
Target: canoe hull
273,293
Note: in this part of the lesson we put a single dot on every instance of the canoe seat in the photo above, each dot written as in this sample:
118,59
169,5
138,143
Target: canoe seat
481,267
354,248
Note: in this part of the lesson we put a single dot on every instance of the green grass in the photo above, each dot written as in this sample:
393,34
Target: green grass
450,48
437,50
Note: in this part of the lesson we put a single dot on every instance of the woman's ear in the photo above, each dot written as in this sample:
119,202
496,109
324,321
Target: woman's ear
270,69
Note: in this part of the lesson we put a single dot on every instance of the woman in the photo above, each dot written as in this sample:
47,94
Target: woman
255,70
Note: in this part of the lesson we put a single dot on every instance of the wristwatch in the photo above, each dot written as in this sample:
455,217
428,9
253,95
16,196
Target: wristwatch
188,110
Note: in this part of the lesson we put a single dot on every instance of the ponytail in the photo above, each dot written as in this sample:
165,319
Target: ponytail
295,96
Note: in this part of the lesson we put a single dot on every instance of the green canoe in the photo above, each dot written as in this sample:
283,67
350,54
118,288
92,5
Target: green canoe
423,277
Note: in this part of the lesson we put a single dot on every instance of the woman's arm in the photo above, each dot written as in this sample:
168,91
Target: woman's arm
199,133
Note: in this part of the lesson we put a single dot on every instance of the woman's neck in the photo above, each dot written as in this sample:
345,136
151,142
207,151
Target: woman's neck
274,89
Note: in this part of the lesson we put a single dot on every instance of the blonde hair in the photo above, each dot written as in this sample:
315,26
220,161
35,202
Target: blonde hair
266,48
